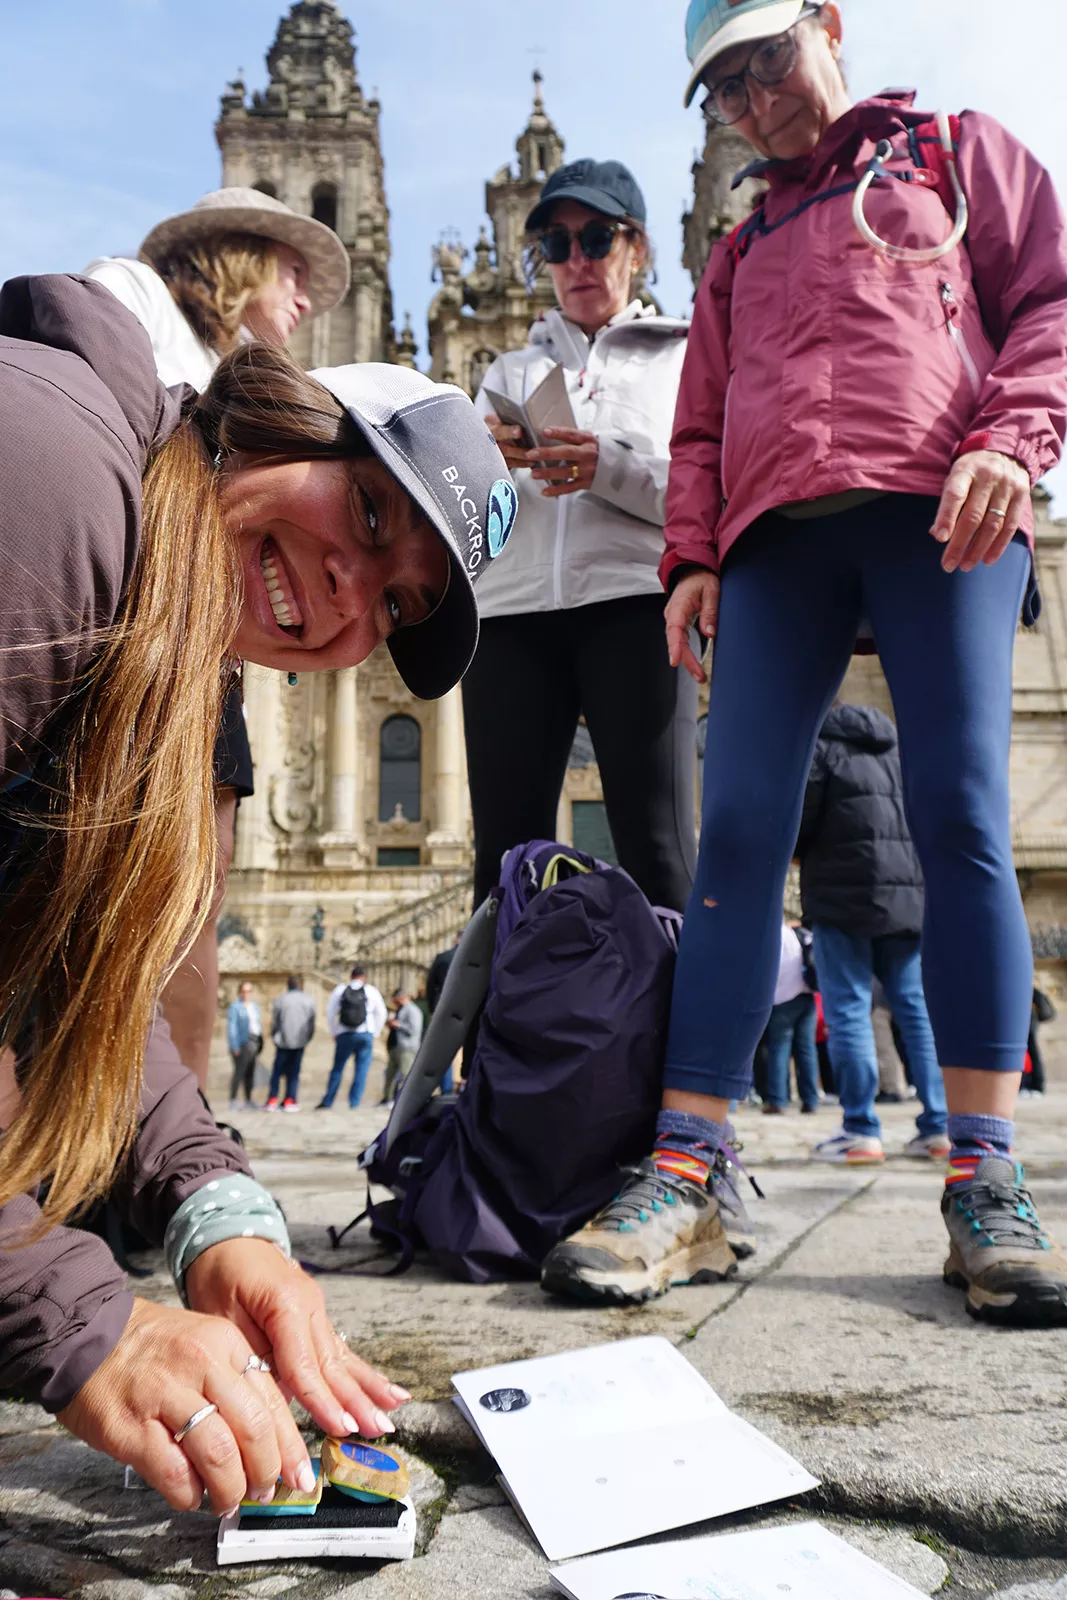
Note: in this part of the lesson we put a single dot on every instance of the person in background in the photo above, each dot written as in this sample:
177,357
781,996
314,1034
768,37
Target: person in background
292,1028
355,1016
791,1033
244,1035
572,613
855,443
1041,1010
861,888
239,264
405,1036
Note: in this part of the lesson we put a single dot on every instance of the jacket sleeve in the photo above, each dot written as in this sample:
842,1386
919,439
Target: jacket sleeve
1018,248
814,796
694,492
376,1010
232,1031
63,1300
632,481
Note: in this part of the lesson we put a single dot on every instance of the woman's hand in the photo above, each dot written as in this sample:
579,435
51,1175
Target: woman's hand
565,467
695,600
981,508
510,440
167,1366
282,1314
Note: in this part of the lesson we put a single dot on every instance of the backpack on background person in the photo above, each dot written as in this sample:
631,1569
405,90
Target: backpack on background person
575,970
352,1012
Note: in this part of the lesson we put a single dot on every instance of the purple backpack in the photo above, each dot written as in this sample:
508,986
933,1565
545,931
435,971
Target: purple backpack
565,1080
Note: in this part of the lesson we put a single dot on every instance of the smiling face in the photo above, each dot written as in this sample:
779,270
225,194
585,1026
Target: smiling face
590,293
787,119
335,557
280,307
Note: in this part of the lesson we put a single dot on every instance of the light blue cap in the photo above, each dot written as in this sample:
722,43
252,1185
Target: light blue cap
712,26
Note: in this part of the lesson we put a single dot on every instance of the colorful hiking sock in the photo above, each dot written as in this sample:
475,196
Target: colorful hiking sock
974,1137
686,1145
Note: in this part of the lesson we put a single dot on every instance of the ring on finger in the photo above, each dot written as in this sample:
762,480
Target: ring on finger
1000,515
576,473
255,1364
194,1422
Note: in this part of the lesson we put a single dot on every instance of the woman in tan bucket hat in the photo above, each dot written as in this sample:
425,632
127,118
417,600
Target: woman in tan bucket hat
238,264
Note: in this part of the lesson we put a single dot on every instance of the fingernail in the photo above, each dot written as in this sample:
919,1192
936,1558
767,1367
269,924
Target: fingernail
398,1393
266,1496
232,1510
305,1478
351,1425
385,1424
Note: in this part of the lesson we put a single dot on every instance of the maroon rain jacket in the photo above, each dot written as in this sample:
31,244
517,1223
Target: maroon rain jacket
817,366
80,407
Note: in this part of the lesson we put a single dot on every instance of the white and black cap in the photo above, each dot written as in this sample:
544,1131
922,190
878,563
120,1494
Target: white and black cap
433,442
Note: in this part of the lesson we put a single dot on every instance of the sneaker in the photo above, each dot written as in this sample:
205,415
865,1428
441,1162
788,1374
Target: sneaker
271,1105
850,1150
736,1222
809,1111
659,1230
999,1252
929,1147
771,1110
290,1105
234,1105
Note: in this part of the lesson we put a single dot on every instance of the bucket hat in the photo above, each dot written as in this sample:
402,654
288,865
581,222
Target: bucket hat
604,186
249,211
433,442
712,26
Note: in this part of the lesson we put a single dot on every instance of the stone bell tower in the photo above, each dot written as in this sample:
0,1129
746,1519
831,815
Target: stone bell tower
717,206
312,139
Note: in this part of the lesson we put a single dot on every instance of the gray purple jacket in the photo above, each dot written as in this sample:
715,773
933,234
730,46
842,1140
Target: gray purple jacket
80,408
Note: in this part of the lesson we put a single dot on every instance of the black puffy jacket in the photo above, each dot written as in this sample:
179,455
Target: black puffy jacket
858,867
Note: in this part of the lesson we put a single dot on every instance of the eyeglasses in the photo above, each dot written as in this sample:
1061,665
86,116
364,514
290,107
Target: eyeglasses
596,239
770,63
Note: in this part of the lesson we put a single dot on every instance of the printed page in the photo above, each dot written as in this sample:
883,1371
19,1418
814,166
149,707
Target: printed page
803,1561
549,406
606,1445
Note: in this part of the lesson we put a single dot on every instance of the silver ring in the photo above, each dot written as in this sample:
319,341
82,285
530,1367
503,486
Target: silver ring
255,1364
999,514
194,1421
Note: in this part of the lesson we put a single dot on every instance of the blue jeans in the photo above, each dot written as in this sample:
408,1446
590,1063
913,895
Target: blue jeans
846,966
793,596
287,1065
791,1032
350,1042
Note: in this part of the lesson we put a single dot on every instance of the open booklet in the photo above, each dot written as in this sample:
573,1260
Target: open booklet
802,1559
601,1446
547,406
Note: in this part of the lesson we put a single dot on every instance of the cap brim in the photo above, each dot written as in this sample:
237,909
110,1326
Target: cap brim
430,656
329,269
595,199
763,23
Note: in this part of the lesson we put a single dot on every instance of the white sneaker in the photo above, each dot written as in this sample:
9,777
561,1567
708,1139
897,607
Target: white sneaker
850,1150
929,1147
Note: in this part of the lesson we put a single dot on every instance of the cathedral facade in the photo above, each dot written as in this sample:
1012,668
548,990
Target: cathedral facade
358,838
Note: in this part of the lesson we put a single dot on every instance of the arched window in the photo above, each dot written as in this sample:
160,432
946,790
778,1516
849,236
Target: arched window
400,780
264,186
324,204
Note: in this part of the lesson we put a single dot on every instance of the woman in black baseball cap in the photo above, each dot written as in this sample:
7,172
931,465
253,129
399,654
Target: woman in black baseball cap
146,547
572,614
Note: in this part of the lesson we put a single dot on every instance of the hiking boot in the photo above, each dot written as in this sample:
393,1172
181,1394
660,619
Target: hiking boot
659,1230
850,1150
736,1222
929,1147
999,1252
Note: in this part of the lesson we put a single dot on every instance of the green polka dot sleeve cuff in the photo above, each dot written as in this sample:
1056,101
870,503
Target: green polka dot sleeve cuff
229,1207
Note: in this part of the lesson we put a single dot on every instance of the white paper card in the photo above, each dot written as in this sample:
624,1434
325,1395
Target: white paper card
603,1446
801,1561
547,406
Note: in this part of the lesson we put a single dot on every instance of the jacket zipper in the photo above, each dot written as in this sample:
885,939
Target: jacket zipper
952,323
557,564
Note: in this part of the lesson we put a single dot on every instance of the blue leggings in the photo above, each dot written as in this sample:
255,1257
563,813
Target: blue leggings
793,596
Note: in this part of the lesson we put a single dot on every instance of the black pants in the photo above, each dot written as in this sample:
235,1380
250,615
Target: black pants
532,678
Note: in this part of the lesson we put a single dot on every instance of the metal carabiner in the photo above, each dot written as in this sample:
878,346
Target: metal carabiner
876,169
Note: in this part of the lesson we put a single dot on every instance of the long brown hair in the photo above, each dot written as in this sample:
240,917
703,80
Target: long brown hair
213,282
115,879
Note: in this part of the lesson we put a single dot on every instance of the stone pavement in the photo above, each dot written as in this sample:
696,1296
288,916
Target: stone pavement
939,1442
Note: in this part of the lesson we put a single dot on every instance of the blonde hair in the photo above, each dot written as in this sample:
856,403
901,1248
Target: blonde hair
213,282
114,878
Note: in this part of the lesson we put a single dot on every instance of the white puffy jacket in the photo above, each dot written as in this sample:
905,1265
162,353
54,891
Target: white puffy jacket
606,542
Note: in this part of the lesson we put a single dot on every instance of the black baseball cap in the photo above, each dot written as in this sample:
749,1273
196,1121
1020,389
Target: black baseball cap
604,186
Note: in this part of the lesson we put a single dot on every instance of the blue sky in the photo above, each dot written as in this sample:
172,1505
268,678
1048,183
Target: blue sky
107,106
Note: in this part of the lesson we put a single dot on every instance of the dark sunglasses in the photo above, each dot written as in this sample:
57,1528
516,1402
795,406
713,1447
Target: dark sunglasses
595,240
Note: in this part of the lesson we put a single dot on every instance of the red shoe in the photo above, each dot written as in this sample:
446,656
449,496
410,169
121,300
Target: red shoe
271,1105
290,1105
